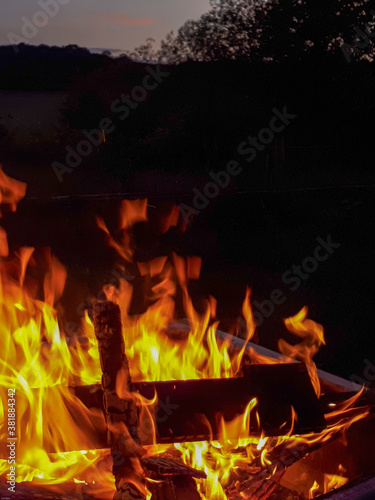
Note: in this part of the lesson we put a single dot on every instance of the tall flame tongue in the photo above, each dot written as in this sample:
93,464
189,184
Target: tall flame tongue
312,335
11,192
35,355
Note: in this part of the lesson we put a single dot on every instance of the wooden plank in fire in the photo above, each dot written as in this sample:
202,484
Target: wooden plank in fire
121,414
191,410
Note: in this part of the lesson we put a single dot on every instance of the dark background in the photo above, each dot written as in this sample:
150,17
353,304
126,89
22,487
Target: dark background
316,179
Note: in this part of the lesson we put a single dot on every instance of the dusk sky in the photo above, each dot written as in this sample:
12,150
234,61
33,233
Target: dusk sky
111,24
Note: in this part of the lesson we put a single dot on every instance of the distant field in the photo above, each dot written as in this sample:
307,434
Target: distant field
30,111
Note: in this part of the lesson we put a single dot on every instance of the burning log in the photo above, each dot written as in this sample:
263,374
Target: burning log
262,476
173,479
162,465
257,486
258,480
121,415
190,410
176,488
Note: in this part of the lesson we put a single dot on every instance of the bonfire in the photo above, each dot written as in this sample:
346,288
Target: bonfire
153,437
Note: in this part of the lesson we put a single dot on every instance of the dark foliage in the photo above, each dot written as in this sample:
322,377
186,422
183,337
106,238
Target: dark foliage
45,68
274,30
194,121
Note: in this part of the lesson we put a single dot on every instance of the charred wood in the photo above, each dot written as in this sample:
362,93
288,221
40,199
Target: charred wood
172,479
121,415
167,466
191,410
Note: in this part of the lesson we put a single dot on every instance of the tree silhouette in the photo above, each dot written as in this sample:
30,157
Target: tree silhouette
277,30
145,52
230,30
296,29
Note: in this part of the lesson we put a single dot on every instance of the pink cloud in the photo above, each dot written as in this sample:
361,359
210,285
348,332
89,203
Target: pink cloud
126,19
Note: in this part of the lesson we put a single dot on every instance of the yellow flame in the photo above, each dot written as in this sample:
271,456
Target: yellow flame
312,335
333,482
314,491
56,432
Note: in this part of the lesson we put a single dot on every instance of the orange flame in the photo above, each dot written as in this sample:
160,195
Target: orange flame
333,482
312,335
37,360
11,192
314,491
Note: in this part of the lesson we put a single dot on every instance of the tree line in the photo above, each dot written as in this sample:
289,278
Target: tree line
271,30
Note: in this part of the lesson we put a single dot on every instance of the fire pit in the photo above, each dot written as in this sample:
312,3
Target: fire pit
144,406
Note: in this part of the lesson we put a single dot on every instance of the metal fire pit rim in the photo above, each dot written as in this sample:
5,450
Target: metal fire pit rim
341,384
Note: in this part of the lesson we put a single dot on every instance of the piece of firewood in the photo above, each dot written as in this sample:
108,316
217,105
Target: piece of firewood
122,416
255,487
257,481
166,466
262,480
171,479
176,488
